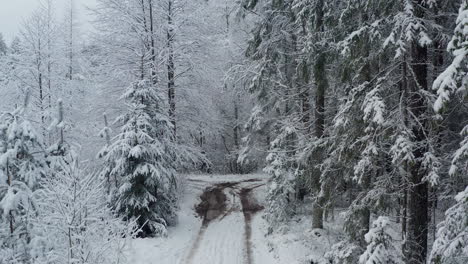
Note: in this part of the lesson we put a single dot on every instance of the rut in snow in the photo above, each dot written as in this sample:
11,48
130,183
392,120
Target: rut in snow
214,205
249,207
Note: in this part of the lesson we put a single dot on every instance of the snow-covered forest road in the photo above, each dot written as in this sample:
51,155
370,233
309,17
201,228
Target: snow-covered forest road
220,222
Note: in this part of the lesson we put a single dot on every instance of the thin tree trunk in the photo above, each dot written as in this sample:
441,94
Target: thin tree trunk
144,46
49,59
70,52
405,213
108,142
236,134
12,229
171,68
60,120
154,78
41,86
404,98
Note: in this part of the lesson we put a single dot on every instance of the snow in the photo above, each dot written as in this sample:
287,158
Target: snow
379,248
9,202
446,82
223,240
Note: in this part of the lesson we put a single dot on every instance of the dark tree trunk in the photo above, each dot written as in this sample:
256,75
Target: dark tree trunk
171,68
9,182
404,176
41,86
154,78
322,85
418,189
236,131
145,44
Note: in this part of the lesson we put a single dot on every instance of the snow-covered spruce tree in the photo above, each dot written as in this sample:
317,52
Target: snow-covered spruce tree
289,69
22,167
271,78
143,163
380,248
451,245
385,61
74,223
453,81
316,23
359,137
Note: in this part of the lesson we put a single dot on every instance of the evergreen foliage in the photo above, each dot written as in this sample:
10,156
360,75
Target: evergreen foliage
380,248
22,167
377,141
142,162
451,245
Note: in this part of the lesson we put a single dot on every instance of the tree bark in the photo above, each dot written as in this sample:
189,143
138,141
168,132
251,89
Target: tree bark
154,78
41,86
49,58
171,67
70,52
12,229
322,84
404,176
236,132
418,189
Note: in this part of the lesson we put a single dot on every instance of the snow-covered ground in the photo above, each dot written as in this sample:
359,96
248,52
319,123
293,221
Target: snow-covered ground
225,239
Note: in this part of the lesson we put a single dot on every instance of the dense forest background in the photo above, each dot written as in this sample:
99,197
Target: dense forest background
357,105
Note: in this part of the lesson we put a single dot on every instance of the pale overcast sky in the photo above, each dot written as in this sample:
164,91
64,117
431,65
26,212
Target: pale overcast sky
13,13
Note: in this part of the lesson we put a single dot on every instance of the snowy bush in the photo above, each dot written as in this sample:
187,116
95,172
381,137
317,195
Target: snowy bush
451,245
380,248
344,252
281,190
74,223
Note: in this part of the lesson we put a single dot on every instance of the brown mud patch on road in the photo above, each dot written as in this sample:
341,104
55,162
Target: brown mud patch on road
214,205
213,202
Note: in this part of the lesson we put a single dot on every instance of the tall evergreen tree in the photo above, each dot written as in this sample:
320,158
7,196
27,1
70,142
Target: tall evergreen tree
272,81
142,161
22,167
454,81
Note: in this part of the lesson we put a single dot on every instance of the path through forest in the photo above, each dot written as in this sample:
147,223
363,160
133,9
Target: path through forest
220,222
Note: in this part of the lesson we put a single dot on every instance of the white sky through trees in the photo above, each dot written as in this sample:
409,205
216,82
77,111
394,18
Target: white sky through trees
13,13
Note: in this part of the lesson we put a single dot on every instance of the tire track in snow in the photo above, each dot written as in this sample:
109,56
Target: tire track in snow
214,205
249,208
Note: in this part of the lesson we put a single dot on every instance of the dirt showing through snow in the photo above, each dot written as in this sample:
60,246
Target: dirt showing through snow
249,207
220,222
218,202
